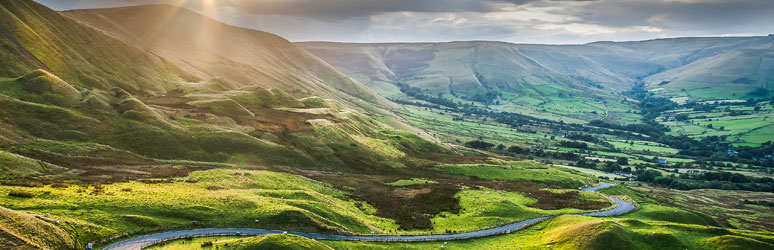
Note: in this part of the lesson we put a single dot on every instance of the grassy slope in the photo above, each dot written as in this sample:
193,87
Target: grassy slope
529,76
409,182
38,37
23,231
575,232
238,55
729,75
525,75
488,208
450,67
268,242
521,171
653,226
275,242
214,197
15,166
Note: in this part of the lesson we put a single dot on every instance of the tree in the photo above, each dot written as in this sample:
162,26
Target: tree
612,166
622,161
479,144
759,92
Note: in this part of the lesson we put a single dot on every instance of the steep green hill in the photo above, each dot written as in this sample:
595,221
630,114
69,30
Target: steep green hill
24,231
35,37
107,108
210,49
732,75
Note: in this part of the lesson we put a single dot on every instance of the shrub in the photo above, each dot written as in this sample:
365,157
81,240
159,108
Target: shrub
478,144
21,194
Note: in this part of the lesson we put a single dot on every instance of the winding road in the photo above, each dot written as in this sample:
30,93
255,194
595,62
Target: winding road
148,240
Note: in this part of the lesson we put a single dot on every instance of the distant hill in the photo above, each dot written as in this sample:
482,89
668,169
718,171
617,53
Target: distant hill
466,69
735,74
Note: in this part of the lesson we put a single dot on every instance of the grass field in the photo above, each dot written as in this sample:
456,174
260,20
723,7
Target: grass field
447,129
574,232
267,242
409,182
592,172
485,208
217,197
644,146
522,171
750,128
727,207
577,232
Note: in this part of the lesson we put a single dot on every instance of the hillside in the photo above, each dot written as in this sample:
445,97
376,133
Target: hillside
50,113
24,231
35,37
488,71
466,69
237,56
742,71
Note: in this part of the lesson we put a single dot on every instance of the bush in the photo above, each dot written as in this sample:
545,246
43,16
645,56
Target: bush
21,194
573,144
207,244
478,144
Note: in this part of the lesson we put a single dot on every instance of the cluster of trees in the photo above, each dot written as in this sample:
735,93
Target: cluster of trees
641,128
419,94
725,176
489,97
479,144
610,167
707,107
517,151
573,144
705,180
418,104
583,137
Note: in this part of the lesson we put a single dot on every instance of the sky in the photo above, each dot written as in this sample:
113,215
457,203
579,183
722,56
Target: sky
517,21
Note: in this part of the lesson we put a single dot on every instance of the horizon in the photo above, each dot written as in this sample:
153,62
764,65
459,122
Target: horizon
516,22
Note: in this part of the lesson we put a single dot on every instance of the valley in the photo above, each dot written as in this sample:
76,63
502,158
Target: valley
160,127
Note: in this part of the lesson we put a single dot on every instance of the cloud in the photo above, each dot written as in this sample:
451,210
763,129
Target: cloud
523,21
344,9
709,15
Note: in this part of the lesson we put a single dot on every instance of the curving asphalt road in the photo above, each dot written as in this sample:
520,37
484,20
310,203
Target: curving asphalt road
148,240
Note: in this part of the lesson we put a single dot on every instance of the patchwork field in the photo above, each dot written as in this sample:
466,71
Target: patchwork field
748,126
